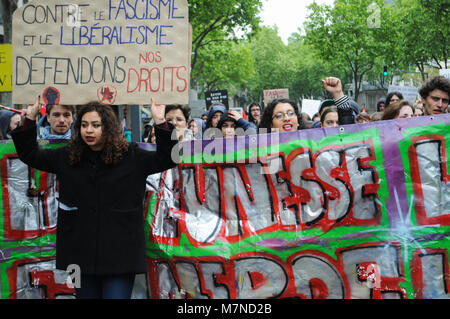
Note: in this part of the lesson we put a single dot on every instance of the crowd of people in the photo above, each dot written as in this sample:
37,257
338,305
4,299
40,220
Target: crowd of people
283,115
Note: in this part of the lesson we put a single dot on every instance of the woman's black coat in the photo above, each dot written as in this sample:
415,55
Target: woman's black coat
100,223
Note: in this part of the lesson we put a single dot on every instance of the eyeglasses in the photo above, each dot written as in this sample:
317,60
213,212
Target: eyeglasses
280,115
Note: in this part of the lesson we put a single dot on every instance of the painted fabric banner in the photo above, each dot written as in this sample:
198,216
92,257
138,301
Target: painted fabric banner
359,211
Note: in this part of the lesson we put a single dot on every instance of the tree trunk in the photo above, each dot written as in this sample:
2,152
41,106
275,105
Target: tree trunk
356,94
357,83
421,67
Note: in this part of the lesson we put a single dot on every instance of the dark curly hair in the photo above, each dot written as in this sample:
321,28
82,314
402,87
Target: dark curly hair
115,144
185,109
250,116
266,117
437,82
390,96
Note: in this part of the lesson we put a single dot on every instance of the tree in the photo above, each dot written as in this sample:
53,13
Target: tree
216,21
272,69
295,66
438,13
309,70
431,18
351,33
224,66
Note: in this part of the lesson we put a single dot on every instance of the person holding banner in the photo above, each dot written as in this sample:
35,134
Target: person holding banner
329,117
418,111
100,227
401,109
281,115
435,95
227,125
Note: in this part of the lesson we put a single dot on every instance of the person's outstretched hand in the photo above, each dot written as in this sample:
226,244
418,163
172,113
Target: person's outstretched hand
33,109
158,111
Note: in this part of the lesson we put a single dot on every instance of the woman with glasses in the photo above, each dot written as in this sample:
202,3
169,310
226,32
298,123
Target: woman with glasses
281,115
254,113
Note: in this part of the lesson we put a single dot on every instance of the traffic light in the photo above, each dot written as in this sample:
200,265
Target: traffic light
385,71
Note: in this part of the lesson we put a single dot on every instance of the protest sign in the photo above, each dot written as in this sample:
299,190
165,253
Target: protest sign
5,67
310,107
220,96
359,211
409,93
111,51
445,72
270,95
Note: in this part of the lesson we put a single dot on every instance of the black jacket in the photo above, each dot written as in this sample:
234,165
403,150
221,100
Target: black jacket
100,223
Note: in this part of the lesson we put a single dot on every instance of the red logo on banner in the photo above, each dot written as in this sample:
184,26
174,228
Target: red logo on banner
107,94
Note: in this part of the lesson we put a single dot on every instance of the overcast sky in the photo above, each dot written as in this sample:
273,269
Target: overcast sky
287,15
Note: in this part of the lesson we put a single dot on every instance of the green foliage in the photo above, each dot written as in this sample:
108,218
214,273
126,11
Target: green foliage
352,33
295,66
364,35
216,22
423,32
268,52
226,66
309,70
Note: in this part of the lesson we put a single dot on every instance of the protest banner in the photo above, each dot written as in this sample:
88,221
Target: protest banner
358,211
270,95
5,67
111,51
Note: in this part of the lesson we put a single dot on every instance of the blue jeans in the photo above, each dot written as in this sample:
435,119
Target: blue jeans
106,287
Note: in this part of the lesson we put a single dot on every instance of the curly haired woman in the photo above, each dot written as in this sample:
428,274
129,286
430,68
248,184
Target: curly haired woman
102,180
